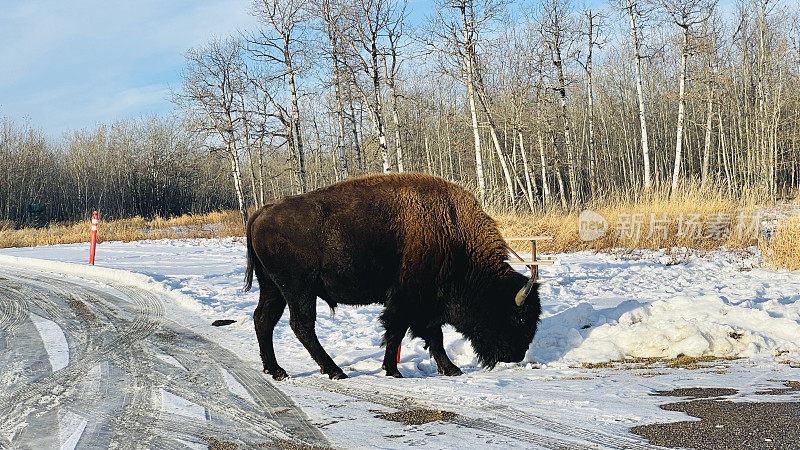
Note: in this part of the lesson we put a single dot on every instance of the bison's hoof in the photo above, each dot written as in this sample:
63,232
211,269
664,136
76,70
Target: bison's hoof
277,374
451,371
395,373
337,376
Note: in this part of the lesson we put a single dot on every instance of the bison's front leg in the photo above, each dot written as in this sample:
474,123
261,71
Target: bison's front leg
396,326
392,340
302,315
435,341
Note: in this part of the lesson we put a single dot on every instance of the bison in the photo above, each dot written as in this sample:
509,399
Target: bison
421,246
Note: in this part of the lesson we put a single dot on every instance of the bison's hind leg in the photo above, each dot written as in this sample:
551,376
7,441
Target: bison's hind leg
396,325
271,305
302,317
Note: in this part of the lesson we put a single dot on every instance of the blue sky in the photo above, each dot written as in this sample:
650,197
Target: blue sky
72,64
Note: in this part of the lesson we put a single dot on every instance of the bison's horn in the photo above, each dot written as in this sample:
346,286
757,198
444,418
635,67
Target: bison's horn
523,293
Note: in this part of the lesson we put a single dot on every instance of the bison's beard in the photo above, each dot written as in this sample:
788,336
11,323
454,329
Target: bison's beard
506,344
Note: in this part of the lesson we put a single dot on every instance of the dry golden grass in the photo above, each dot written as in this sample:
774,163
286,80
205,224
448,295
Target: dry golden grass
782,250
702,206
563,225
215,224
680,362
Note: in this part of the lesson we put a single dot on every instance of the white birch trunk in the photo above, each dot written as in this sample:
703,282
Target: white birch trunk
473,112
676,170
640,96
527,173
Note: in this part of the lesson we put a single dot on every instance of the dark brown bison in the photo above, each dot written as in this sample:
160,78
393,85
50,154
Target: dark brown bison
420,245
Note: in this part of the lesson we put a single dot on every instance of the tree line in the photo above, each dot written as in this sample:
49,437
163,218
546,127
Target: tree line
144,167
530,105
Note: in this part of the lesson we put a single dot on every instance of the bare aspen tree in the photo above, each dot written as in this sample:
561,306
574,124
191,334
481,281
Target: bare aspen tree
349,100
528,182
540,123
210,84
330,11
685,14
517,77
391,66
246,123
480,90
466,8
710,48
280,43
366,24
261,134
709,51
635,13
556,36
768,95
275,120
456,28
592,31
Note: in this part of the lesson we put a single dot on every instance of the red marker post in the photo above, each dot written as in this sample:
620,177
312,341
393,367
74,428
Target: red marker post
94,238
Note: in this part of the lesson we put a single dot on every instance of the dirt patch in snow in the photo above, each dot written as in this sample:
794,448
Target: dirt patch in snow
216,444
288,445
418,416
82,310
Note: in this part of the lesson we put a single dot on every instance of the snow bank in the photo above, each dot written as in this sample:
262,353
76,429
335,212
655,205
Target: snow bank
703,326
100,273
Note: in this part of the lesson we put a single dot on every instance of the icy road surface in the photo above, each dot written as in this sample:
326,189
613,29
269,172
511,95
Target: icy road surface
596,308
101,367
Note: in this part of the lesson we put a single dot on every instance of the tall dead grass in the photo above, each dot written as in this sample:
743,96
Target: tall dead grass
782,249
698,219
214,224
702,220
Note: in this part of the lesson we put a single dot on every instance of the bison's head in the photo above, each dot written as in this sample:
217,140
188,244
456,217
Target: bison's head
502,327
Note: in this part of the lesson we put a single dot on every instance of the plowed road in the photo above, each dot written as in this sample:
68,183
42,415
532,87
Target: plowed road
92,365
103,368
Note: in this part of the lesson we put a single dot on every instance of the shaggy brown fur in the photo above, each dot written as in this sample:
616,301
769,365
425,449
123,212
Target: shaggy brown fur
422,246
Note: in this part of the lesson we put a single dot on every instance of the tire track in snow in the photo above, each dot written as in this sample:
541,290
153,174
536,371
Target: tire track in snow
138,413
123,340
10,310
138,408
381,395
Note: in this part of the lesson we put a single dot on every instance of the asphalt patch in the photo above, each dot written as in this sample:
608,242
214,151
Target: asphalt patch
725,423
696,393
222,322
791,386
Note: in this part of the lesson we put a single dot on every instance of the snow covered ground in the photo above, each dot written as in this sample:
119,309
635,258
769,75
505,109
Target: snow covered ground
597,308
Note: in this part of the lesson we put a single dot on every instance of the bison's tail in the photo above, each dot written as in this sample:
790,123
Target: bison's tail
251,255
